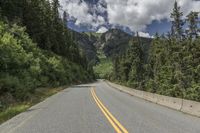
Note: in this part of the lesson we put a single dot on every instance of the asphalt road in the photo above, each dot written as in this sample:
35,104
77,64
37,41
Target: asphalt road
98,108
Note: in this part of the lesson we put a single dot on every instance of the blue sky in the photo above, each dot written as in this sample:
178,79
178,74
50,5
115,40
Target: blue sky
145,16
161,27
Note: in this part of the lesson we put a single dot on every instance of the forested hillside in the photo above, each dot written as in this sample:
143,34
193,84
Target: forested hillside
86,45
172,65
37,50
111,44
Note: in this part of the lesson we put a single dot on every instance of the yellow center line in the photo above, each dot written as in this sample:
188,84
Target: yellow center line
114,122
109,119
114,119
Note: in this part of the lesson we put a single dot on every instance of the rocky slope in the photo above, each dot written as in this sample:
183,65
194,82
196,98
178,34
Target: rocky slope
111,43
85,43
115,42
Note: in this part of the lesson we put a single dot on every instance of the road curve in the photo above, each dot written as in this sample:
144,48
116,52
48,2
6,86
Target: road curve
99,108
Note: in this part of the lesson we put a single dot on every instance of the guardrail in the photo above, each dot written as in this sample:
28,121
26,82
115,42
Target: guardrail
186,106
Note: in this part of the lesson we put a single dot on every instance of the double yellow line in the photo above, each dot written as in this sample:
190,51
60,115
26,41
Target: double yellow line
113,121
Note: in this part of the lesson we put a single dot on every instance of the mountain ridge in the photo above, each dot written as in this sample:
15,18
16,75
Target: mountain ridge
111,43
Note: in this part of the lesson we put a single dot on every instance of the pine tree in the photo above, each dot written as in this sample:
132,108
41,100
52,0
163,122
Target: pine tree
55,8
193,21
65,19
177,22
12,9
136,75
116,68
172,67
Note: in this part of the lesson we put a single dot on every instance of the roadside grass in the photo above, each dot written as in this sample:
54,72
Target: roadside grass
39,95
104,68
12,111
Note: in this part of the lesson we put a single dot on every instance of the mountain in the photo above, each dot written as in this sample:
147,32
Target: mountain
111,43
94,35
85,43
115,42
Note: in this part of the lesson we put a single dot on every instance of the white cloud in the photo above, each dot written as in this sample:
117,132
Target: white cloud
81,11
137,14
144,34
102,30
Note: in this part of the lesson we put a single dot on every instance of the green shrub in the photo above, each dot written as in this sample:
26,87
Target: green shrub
24,67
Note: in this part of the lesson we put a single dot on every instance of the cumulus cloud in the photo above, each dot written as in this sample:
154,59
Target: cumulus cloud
83,13
135,14
102,30
144,34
